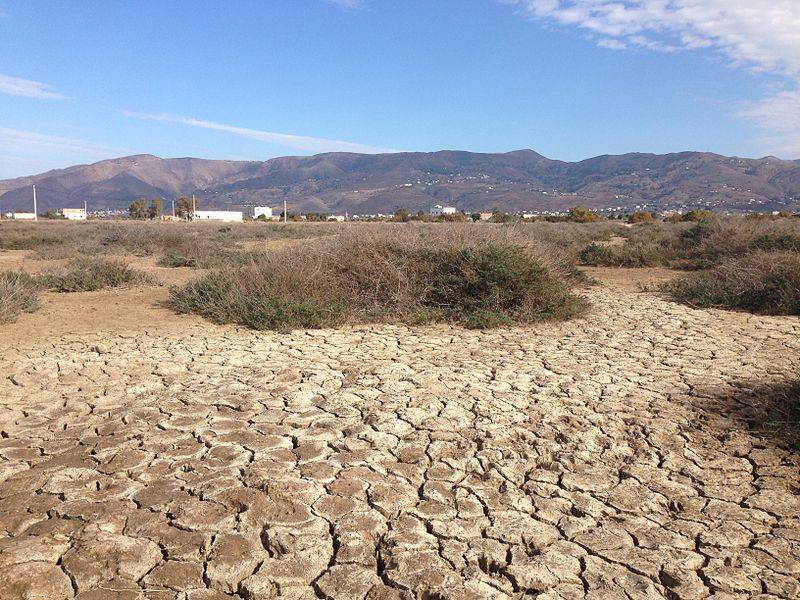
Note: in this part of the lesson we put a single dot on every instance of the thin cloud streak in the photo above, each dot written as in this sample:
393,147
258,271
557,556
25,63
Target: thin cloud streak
30,141
28,152
16,86
299,142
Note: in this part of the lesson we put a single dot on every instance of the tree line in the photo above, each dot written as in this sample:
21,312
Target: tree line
142,209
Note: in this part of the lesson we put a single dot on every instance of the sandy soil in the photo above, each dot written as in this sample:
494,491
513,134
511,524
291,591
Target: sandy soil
149,455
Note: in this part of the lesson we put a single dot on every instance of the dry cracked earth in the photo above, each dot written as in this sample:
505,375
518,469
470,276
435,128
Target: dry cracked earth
603,458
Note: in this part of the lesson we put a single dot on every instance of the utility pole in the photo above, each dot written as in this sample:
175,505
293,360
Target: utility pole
285,214
173,208
194,206
35,214
86,210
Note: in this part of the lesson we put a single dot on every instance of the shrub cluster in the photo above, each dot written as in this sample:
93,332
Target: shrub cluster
759,282
740,263
63,239
408,275
626,255
88,275
18,294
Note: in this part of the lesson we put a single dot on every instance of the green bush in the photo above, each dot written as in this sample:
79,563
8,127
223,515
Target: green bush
629,254
87,275
413,276
697,215
18,294
760,282
581,214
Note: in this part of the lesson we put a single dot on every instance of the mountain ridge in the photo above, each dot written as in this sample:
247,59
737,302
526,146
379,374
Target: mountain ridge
519,180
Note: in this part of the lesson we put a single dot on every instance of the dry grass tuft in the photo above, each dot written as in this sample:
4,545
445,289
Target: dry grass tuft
18,294
88,275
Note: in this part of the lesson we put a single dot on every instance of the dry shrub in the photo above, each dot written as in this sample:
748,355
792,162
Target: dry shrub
630,255
87,275
18,294
398,274
760,282
709,242
62,239
696,245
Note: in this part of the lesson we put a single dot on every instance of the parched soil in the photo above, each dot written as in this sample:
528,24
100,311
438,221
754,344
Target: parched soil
609,457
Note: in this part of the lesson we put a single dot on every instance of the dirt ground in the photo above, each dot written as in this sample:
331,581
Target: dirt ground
149,455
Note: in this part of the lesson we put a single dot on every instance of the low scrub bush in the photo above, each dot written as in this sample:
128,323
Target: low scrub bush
759,282
18,294
397,275
87,275
626,255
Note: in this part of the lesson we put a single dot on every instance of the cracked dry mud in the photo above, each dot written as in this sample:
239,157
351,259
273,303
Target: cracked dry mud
600,458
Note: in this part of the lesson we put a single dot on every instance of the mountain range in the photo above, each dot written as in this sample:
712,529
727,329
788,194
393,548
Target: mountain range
522,180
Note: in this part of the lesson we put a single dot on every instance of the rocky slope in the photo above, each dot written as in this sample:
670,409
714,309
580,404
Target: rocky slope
338,182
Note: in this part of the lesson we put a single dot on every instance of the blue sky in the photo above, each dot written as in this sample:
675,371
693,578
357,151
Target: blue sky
83,81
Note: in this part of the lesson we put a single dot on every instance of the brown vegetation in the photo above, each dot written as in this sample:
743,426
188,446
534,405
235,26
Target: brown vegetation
409,275
18,294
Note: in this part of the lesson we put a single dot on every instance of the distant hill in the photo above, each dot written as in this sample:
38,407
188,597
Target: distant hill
381,183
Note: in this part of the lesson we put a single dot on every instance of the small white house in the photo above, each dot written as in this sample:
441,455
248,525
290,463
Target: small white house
262,211
339,218
74,214
439,210
24,216
227,216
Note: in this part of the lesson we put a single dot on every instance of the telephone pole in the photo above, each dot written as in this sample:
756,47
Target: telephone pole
285,214
35,214
173,208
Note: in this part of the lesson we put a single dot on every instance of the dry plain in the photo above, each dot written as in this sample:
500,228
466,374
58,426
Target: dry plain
150,455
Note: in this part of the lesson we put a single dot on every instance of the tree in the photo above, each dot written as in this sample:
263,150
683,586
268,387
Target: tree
581,214
183,207
156,209
138,209
501,217
401,215
640,217
697,214
475,217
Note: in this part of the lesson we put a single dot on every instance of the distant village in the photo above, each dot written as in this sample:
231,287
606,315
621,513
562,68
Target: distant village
186,209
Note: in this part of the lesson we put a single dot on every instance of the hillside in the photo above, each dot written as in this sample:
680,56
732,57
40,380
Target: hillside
361,184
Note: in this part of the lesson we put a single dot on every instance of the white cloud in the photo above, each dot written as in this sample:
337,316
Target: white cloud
762,35
759,33
299,142
779,117
15,86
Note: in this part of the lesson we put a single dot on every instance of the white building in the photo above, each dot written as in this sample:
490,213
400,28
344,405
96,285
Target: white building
439,210
339,218
24,216
74,214
228,216
262,211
